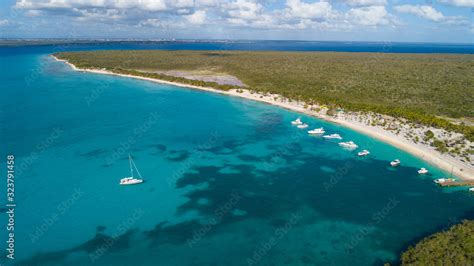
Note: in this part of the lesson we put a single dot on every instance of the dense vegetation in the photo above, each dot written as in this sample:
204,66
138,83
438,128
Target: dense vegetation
420,87
452,247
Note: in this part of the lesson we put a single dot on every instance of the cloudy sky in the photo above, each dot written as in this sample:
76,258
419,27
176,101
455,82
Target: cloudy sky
346,20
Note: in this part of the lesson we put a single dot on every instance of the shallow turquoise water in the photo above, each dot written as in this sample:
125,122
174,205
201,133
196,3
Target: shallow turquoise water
228,181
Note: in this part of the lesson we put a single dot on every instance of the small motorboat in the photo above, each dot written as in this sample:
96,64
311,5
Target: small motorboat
471,189
395,163
349,145
443,180
332,136
303,126
422,171
363,153
297,122
131,180
316,131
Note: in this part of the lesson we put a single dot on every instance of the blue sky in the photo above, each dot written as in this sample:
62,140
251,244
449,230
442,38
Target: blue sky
344,20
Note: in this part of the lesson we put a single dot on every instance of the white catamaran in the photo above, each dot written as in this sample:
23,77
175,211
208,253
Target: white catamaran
132,180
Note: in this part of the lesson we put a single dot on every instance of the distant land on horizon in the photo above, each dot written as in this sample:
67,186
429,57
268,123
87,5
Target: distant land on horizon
98,39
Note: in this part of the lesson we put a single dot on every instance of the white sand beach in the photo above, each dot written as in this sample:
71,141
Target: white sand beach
461,169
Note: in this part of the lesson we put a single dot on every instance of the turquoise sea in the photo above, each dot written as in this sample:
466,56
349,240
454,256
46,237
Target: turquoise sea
227,181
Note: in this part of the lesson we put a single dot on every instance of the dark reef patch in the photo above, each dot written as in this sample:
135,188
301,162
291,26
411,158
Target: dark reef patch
100,243
172,234
178,155
100,228
93,153
225,147
249,158
158,148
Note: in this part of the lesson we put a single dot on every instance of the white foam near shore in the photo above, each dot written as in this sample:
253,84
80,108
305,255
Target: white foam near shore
463,170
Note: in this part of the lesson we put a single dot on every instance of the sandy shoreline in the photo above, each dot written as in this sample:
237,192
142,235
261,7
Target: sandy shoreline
460,169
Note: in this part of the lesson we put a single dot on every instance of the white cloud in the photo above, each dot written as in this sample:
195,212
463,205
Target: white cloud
461,3
243,9
456,20
116,11
183,3
33,13
197,18
153,22
366,2
294,14
301,15
426,12
148,5
207,3
247,13
432,14
316,10
4,22
369,16
100,14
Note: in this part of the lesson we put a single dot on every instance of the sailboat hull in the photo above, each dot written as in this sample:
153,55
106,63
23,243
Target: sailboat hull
130,181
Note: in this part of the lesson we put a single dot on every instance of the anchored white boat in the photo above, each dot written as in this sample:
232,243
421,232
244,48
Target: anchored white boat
422,171
363,153
317,131
332,136
471,189
395,163
349,145
443,180
303,126
131,180
297,121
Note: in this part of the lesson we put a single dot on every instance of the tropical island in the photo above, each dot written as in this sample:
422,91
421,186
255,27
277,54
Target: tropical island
421,103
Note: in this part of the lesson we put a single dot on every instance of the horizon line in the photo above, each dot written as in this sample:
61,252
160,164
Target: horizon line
106,39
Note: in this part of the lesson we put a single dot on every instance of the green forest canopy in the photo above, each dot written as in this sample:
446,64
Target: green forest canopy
452,247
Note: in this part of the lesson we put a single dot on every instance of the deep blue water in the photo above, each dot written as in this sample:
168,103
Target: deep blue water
324,46
228,181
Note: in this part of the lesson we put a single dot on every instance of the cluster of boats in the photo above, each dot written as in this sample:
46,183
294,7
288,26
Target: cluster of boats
347,144
299,124
352,146
320,131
